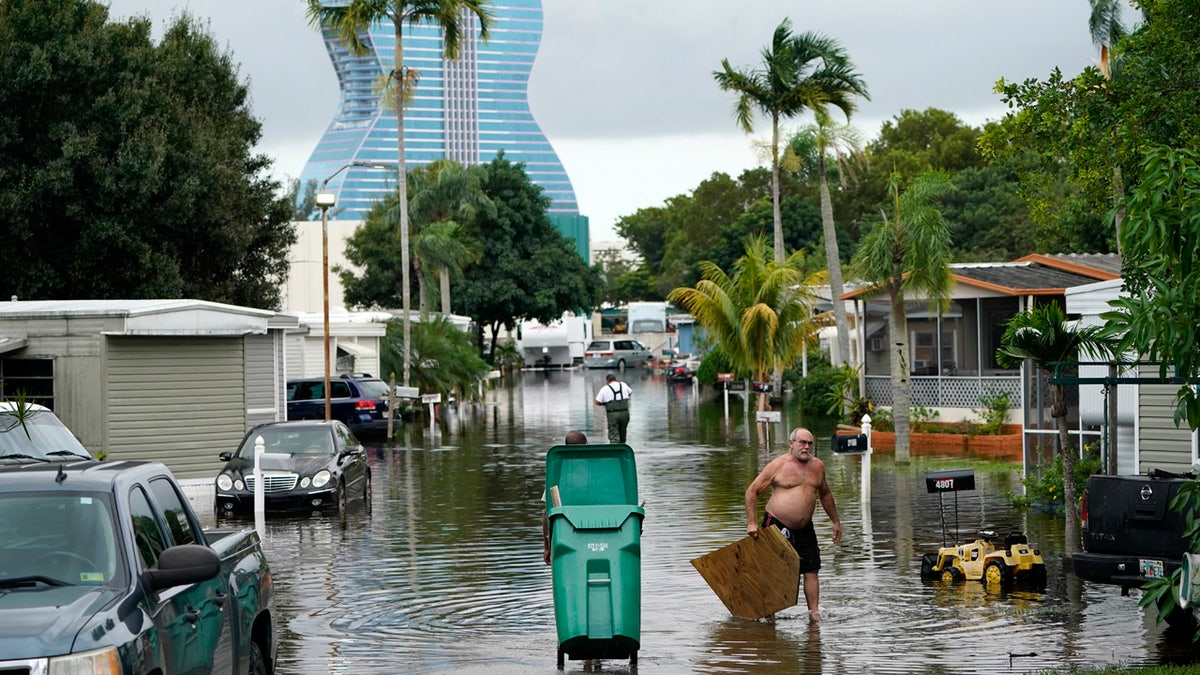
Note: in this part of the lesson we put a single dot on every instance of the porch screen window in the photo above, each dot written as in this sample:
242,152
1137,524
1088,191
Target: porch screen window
31,378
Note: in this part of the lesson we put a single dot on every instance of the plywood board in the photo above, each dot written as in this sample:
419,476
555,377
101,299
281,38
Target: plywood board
754,577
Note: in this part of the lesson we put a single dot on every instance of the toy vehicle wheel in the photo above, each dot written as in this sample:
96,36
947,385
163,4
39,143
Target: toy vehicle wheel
1037,574
927,562
996,573
950,574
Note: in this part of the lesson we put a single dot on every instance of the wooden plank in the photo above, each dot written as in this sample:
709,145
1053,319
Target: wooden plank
753,577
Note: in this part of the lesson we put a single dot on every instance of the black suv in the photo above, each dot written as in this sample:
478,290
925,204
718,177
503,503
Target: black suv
359,402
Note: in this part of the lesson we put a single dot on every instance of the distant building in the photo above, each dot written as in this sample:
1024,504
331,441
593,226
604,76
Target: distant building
467,110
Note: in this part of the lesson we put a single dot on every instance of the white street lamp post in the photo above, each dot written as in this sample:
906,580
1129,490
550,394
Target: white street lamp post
325,201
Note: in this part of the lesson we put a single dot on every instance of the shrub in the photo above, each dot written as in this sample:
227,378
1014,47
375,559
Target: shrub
714,362
1045,488
996,404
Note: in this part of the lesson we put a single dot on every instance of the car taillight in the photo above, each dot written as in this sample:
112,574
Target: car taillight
1083,516
364,404
602,354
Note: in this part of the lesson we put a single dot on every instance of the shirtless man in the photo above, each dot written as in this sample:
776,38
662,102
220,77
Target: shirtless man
797,481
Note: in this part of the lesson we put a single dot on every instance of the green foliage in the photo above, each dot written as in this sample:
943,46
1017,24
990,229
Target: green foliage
994,414
817,393
507,356
1158,314
1044,488
127,167
527,269
715,362
444,359
760,312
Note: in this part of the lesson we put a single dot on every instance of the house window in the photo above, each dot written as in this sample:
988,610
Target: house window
31,378
925,357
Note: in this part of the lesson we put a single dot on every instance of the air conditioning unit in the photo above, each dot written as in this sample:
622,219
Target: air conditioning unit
876,344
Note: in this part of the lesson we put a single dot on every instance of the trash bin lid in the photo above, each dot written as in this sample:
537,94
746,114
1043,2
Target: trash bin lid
592,474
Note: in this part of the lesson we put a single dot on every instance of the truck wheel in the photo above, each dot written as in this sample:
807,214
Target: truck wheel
258,665
996,573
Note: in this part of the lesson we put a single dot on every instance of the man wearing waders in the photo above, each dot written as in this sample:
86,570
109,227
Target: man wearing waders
614,396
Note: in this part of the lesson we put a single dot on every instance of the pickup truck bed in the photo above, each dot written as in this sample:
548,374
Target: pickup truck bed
1130,533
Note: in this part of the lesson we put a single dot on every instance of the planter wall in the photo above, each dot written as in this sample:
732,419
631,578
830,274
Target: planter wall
1003,447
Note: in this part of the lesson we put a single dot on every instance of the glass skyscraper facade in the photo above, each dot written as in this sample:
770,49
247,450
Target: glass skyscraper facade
467,110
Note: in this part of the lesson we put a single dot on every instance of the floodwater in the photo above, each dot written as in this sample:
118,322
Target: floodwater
444,573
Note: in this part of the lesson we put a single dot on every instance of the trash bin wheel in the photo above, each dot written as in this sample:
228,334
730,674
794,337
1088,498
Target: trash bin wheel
560,657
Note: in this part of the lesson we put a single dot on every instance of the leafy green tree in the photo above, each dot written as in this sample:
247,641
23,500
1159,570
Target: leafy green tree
350,21
126,166
911,143
444,195
527,270
760,313
805,72
1043,335
1157,313
908,253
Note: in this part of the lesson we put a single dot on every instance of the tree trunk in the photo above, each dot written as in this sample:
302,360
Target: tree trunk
444,281
834,263
422,301
901,384
1058,410
776,211
402,193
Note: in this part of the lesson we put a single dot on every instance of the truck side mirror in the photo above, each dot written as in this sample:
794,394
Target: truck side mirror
182,565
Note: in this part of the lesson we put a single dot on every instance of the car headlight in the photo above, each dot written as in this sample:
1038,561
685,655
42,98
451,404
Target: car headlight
322,478
224,482
98,661
239,484
305,481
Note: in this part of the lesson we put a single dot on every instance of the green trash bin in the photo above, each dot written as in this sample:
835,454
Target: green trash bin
595,551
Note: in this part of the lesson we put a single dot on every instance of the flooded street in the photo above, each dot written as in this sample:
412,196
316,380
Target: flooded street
445,573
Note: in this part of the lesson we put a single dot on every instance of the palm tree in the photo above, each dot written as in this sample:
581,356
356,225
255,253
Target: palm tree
1043,335
350,21
840,144
1106,28
760,314
802,72
908,253
443,194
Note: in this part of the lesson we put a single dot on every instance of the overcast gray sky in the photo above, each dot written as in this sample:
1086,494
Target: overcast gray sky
624,88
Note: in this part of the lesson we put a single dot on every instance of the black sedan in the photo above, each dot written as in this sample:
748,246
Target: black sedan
306,466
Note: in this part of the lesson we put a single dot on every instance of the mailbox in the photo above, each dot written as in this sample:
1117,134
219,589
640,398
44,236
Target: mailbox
954,480
844,444
762,387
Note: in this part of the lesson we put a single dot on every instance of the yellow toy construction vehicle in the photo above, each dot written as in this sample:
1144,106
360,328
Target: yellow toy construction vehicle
982,560
1014,560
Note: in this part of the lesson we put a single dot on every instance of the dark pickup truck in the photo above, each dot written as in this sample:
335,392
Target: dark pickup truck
104,569
1130,533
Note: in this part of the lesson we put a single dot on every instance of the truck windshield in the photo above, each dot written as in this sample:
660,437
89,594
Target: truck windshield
60,538
37,433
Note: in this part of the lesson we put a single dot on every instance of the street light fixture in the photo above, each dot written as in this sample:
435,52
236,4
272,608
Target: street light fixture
325,200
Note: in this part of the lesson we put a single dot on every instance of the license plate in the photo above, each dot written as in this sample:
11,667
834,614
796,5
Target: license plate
1151,569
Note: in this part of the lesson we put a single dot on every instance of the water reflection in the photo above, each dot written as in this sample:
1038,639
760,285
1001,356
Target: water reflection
445,573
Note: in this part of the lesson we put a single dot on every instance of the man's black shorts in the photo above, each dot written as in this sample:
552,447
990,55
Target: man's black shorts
804,540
